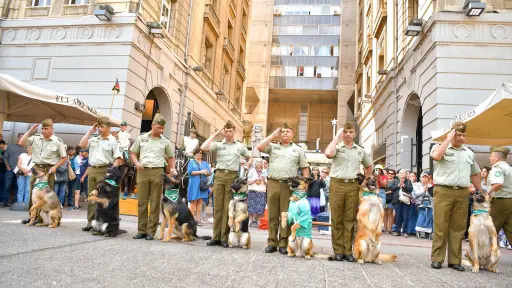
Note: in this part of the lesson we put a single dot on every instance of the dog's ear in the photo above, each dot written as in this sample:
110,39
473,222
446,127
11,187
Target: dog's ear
244,180
360,178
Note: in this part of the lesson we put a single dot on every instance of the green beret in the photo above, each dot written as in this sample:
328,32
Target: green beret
159,119
286,126
124,123
103,121
193,130
348,125
501,149
459,127
47,123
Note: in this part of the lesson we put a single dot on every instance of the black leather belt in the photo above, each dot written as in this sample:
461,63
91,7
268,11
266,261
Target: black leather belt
452,187
153,168
43,165
99,166
279,180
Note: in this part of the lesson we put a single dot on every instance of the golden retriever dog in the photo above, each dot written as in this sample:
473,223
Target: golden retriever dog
370,217
44,202
483,252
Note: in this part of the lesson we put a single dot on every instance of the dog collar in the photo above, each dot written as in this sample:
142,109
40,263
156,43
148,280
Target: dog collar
300,193
41,185
111,182
368,193
172,194
240,196
478,212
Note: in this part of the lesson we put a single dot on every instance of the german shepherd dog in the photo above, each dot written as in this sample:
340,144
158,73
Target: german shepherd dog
483,252
176,214
299,217
106,195
370,217
44,202
239,216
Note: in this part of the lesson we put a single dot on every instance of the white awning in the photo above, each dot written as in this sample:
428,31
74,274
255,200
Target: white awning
489,123
22,102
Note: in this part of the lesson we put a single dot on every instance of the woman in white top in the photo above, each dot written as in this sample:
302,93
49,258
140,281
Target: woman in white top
257,196
23,171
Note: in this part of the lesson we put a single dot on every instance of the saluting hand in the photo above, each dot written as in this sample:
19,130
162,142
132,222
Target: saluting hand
339,133
220,131
277,132
93,128
451,135
33,129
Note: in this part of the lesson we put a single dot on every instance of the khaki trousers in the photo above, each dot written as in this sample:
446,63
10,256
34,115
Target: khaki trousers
278,199
344,198
501,213
150,186
94,176
51,183
450,218
222,194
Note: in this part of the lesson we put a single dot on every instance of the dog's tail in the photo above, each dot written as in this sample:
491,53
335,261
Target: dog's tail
387,257
323,256
204,237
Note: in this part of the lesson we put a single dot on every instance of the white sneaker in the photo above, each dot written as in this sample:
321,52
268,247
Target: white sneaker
509,247
210,220
502,244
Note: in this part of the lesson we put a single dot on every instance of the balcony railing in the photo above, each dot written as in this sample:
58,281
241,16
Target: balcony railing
211,16
368,47
241,69
228,47
244,30
309,83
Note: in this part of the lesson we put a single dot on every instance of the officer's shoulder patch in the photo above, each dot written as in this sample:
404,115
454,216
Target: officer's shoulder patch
498,174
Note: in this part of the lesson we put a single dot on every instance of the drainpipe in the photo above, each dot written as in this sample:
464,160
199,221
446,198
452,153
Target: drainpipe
395,30
5,12
187,73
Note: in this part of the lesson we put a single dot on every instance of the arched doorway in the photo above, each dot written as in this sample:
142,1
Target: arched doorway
157,101
412,135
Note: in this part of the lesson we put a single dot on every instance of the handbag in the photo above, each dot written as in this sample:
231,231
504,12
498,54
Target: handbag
203,183
19,172
71,173
403,198
322,198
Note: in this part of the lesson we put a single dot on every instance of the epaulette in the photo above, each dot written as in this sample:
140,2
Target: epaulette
497,165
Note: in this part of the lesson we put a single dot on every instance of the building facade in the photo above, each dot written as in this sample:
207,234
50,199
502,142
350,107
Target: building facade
407,86
300,68
195,64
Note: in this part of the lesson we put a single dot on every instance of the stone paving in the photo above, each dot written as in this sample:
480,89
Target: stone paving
68,257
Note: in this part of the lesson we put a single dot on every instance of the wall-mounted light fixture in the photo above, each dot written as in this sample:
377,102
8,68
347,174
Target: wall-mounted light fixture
104,12
383,72
221,95
414,28
140,107
198,68
155,29
474,7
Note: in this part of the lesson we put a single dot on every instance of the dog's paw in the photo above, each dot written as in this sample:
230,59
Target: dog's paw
174,237
291,254
40,224
475,269
245,247
166,240
52,226
159,237
360,261
378,262
307,257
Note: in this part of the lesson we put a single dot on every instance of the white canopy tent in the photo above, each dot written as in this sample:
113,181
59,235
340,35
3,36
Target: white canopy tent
22,102
490,123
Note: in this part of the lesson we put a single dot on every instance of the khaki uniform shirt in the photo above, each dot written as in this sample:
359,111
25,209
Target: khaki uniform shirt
46,151
501,173
228,155
347,161
103,151
285,161
153,152
456,166
124,139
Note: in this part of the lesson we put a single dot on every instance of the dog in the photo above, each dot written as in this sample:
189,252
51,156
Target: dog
238,214
300,242
176,214
483,252
370,217
106,195
44,202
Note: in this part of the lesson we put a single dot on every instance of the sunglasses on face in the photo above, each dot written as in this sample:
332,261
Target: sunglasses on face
392,174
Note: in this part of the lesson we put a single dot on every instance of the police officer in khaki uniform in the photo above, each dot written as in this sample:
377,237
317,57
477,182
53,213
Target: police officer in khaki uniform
347,158
151,153
48,153
229,151
501,191
454,167
103,150
286,158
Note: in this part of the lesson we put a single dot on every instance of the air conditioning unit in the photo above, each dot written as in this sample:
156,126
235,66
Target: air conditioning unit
277,12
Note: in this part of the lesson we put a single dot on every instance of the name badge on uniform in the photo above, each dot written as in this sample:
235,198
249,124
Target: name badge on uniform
143,140
277,148
343,150
222,148
449,153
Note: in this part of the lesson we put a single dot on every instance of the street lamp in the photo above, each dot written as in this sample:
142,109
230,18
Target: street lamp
221,95
474,7
104,12
155,29
414,28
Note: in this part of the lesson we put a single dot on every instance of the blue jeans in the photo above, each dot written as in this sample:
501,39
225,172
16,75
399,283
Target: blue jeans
71,192
23,189
412,219
10,179
382,196
401,217
60,190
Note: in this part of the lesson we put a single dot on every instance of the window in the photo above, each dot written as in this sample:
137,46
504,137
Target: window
165,14
226,80
230,32
306,71
78,2
281,50
41,3
291,71
335,50
334,72
300,50
321,51
322,71
238,96
208,56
